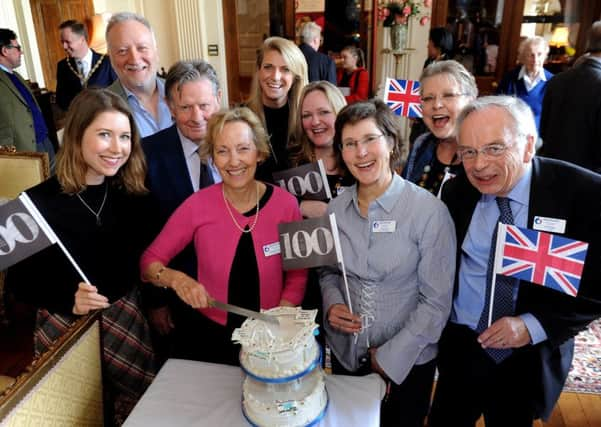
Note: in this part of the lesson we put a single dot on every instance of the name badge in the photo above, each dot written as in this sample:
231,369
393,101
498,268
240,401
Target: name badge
271,249
383,226
553,225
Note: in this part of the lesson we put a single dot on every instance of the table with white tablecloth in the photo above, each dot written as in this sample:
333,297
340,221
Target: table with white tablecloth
190,393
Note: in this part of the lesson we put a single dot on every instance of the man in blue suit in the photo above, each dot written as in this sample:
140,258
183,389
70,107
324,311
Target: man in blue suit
175,170
513,369
82,68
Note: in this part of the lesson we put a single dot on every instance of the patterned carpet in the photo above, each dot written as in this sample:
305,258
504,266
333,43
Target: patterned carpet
585,374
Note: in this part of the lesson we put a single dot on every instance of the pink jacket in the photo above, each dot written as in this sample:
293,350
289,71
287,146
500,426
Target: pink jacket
204,218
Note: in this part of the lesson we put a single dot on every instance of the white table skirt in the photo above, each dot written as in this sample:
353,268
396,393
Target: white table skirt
189,393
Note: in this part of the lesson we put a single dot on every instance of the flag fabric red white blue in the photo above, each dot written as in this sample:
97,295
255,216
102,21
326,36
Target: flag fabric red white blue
402,96
542,258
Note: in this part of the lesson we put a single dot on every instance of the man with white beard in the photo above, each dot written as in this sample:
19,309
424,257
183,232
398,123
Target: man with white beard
134,56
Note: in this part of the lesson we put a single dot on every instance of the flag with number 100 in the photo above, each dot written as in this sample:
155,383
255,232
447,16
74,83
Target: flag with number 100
308,182
309,243
23,231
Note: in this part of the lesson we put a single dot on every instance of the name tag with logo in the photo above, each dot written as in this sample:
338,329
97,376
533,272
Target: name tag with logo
552,225
383,226
271,249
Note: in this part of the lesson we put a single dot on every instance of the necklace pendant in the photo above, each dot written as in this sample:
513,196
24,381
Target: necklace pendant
98,221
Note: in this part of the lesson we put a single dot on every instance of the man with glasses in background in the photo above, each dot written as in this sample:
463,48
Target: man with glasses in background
512,371
21,121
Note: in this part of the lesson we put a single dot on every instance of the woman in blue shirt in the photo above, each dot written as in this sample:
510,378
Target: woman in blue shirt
398,246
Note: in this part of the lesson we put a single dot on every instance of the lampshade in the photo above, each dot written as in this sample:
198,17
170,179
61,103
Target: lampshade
98,25
559,37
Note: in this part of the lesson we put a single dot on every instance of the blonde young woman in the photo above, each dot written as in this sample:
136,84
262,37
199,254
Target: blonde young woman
276,86
320,102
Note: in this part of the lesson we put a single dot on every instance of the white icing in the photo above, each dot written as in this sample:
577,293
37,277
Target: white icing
285,404
277,352
272,351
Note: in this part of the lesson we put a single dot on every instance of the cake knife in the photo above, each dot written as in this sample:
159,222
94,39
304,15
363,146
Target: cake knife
244,311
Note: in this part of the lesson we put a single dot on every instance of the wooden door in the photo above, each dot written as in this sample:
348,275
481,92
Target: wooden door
47,16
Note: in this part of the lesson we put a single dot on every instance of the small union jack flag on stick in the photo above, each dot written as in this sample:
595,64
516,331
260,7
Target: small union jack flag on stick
542,258
402,96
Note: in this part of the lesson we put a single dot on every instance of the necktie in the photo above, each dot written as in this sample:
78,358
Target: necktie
206,177
503,298
80,69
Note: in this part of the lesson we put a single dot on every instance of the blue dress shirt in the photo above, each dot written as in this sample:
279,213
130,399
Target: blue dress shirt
475,250
147,125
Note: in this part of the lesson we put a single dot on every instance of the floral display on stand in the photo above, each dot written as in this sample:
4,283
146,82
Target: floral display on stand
396,15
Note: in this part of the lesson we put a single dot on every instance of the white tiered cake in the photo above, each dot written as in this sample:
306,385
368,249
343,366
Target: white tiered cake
284,384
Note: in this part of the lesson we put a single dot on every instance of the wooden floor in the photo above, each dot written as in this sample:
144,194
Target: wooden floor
573,410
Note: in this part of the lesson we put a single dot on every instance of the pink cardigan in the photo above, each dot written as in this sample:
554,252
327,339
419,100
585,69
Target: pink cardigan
204,217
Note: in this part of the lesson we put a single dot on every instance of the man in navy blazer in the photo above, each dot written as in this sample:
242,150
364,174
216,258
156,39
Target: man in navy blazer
496,144
320,66
70,77
175,170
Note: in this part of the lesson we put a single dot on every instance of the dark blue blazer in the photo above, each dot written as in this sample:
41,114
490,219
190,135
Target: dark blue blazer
168,178
68,84
320,66
558,190
169,183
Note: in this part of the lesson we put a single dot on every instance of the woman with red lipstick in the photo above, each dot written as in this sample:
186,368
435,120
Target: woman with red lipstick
276,86
446,87
320,102
95,204
397,243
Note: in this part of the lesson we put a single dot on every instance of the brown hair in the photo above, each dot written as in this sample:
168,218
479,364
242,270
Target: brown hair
70,165
239,114
297,63
301,148
384,119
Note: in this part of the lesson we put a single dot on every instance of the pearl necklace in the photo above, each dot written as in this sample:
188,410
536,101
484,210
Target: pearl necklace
227,205
96,214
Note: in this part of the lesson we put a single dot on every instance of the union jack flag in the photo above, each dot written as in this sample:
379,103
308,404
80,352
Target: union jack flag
402,96
542,258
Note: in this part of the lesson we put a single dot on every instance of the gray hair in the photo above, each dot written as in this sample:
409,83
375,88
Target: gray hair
594,38
189,71
120,17
310,32
529,41
520,114
454,69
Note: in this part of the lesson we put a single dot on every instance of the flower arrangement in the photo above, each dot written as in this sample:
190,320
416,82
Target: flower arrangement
398,12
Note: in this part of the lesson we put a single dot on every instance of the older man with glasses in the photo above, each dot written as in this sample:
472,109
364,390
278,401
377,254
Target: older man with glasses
511,368
22,124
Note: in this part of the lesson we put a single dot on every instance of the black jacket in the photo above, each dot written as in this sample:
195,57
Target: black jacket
320,66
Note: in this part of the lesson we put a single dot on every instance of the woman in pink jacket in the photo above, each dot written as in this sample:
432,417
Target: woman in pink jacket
234,227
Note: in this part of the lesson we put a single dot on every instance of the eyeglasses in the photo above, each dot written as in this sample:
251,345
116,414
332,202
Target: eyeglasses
490,151
12,46
352,145
446,98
